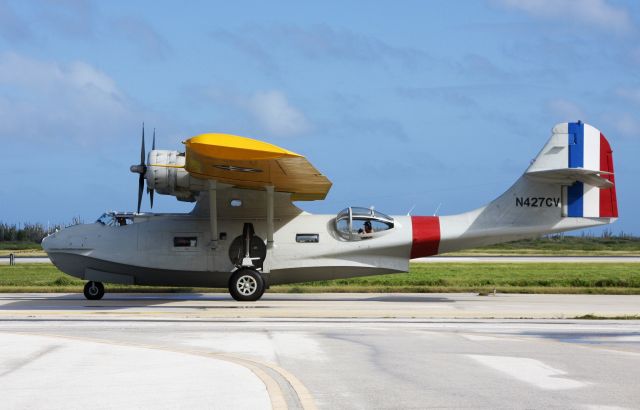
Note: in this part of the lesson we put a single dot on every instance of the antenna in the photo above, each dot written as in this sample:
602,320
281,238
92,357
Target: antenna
411,210
435,213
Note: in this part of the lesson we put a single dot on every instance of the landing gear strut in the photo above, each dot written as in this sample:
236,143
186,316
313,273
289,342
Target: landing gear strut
246,285
93,290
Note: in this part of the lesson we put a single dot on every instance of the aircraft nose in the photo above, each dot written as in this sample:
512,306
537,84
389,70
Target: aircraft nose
49,241
46,243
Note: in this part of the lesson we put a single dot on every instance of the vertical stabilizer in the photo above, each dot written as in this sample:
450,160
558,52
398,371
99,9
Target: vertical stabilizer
579,157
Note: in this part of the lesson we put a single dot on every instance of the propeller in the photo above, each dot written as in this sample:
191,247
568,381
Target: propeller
153,147
141,169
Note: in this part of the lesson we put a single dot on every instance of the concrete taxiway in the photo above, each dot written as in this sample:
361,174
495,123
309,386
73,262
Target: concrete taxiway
326,351
321,305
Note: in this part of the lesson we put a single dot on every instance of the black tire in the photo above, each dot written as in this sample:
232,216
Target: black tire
93,290
246,285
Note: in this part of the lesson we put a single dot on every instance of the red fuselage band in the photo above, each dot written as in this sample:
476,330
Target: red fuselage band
426,236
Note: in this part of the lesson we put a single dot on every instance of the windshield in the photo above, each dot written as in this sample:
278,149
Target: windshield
107,219
115,219
357,223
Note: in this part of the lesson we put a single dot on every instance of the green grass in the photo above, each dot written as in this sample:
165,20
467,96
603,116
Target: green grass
19,245
609,278
565,245
21,249
600,278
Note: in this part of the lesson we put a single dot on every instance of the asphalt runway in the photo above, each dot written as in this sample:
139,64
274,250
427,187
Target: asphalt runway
327,351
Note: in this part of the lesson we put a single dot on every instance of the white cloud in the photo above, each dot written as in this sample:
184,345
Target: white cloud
273,111
47,99
563,110
258,113
591,12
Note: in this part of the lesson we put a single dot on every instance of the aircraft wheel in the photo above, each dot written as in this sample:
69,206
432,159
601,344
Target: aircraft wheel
246,285
93,290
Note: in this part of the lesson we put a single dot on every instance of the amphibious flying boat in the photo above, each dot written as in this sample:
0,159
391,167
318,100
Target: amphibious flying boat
245,233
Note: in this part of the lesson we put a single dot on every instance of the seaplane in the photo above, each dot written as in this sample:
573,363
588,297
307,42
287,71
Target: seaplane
246,231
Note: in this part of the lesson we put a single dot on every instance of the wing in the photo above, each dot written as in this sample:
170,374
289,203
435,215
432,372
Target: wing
248,163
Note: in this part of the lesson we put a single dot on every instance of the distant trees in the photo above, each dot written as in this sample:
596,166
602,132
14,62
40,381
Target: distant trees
26,232
30,232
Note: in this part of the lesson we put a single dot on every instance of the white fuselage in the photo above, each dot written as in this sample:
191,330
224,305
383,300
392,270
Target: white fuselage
143,252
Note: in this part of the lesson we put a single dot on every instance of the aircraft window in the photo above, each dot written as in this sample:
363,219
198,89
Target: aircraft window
307,237
185,241
358,211
107,219
342,225
236,202
115,219
358,223
123,220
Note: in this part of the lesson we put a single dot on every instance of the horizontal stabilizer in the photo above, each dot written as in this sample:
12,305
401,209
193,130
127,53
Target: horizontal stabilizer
568,176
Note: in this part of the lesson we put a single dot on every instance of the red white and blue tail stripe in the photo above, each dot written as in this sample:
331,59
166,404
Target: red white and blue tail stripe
589,149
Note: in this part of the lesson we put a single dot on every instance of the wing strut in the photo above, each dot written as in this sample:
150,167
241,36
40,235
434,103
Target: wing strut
266,268
213,212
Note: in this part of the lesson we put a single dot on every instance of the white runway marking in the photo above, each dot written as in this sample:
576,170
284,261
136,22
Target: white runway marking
529,371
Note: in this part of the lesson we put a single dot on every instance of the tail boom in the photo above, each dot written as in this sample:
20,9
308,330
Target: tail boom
570,185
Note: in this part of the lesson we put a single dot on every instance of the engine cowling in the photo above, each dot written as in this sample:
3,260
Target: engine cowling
166,175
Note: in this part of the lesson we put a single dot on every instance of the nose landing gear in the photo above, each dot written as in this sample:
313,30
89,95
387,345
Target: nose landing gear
93,290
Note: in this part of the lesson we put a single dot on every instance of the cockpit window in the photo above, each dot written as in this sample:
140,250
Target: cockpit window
356,223
115,219
107,219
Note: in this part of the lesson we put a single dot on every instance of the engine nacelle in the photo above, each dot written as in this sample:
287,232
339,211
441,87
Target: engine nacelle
166,175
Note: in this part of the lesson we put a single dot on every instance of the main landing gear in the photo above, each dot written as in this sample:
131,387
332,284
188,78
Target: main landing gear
93,290
246,285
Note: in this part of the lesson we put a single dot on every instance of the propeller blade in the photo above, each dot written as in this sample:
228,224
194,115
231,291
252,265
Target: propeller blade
140,190
151,198
153,146
142,151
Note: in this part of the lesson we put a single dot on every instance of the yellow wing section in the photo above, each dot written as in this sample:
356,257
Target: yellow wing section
248,163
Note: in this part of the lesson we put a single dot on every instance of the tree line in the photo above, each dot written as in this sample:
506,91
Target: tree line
30,232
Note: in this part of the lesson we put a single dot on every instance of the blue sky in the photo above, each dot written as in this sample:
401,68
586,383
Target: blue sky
402,105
